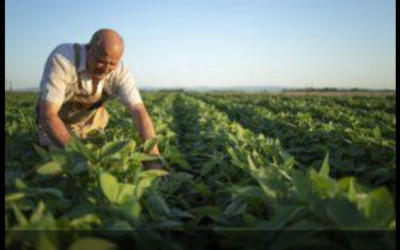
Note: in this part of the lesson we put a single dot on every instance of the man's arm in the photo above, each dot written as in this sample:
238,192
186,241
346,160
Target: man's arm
143,123
53,125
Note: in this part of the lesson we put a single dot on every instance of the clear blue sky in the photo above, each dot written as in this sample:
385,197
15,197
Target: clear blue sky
192,43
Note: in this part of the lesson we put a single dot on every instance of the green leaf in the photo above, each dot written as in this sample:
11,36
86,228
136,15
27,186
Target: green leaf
14,197
157,205
161,128
61,158
153,173
85,220
377,133
303,187
350,186
250,219
176,180
284,216
41,152
207,168
392,225
237,207
202,189
145,157
37,216
113,148
80,167
324,186
379,207
345,215
150,144
178,213
231,152
325,169
245,192
251,163
289,163
48,191
110,186
22,220
147,177
132,207
20,185
77,146
175,157
126,193
50,169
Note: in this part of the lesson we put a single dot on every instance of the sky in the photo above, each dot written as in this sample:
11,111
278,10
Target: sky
216,43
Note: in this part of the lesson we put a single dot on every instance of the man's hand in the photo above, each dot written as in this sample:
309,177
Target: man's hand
144,125
53,125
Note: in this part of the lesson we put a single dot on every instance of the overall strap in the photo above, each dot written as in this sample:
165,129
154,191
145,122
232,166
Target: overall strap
101,102
77,52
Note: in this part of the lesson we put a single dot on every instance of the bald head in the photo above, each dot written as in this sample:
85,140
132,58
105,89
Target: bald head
104,52
107,42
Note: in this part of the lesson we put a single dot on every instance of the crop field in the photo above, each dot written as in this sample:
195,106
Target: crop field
235,163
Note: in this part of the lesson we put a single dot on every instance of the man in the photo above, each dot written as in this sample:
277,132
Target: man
77,82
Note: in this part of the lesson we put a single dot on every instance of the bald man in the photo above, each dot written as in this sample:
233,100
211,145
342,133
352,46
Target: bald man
77,82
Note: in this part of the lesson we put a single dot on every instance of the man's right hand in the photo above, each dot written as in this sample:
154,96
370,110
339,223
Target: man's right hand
53,125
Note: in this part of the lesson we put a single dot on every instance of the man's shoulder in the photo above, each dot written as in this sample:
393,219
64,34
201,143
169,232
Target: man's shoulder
122,70
64,52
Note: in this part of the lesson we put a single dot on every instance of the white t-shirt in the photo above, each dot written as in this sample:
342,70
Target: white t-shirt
60,78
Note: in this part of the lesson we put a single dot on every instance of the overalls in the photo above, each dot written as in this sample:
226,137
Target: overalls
81,113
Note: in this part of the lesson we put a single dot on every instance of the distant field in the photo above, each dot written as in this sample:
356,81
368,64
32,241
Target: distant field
236,161
344,93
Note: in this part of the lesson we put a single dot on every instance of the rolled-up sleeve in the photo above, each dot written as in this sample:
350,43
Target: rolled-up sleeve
55,79
126,88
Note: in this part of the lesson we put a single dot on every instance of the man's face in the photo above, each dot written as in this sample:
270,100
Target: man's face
100,63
